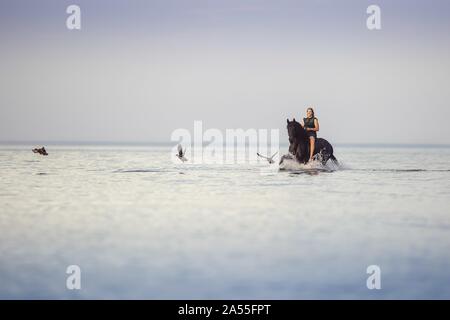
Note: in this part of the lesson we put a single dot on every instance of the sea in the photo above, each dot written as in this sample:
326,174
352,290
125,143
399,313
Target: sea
130,222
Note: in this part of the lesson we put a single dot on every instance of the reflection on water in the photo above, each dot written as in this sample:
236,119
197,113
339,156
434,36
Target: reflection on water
140,226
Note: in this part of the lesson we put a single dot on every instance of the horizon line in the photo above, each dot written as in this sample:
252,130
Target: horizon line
171,143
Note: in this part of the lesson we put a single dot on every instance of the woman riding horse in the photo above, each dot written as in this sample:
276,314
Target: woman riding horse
299,145
311,126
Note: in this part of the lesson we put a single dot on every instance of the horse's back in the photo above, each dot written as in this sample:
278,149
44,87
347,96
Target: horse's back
323,144
325,149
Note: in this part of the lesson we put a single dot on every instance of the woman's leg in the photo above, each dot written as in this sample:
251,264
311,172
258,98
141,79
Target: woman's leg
312,141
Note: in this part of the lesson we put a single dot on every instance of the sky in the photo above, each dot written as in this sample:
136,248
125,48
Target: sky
138,70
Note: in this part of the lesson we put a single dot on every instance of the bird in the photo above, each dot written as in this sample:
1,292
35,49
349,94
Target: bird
41,151
270,160
181,153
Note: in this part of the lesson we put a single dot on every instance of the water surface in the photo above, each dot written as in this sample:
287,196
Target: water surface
141,226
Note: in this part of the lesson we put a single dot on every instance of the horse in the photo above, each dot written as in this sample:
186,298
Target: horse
299,145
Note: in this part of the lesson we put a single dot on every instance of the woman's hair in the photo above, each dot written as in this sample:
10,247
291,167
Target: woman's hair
312,110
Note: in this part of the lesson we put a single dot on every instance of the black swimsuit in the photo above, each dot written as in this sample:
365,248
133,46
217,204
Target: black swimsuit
309,123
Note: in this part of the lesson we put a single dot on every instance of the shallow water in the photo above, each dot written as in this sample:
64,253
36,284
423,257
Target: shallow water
140,226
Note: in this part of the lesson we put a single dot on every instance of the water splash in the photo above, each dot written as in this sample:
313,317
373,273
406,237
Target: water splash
289,163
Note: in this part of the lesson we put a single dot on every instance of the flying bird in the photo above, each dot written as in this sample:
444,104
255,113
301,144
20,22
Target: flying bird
41,151
270,160
181,153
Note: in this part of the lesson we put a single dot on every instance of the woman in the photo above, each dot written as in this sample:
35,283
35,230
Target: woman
311,126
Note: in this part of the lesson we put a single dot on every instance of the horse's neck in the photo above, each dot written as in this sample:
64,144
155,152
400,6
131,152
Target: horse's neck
304,143
302,139
301,134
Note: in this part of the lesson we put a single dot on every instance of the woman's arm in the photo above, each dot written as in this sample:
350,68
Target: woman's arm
316,126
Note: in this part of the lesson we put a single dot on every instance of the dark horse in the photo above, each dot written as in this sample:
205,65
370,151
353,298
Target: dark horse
299,145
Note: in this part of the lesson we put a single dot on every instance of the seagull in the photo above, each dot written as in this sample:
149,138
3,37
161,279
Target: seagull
270,160
181,153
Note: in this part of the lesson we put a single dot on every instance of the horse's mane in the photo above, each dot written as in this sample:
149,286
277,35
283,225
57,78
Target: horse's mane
298,140
299,131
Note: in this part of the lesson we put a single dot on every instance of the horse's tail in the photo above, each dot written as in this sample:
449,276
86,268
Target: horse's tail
335,161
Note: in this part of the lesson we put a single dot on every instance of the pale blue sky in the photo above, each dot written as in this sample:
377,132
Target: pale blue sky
137,70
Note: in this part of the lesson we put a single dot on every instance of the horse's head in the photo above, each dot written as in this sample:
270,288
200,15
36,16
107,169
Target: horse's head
297,137
295,130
